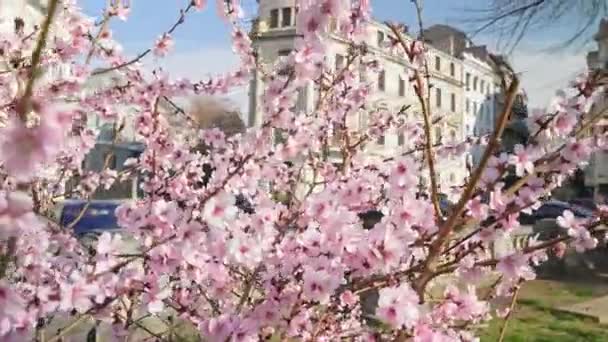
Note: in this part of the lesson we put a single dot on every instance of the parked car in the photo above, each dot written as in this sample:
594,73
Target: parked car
552,210
587,203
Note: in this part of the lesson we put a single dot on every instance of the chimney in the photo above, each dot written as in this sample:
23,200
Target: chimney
452,45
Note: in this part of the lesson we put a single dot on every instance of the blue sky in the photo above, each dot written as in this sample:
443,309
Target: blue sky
201,43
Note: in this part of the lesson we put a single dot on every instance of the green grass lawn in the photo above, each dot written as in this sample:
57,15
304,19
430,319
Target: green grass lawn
535,320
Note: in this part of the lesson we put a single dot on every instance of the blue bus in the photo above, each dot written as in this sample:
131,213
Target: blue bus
99,216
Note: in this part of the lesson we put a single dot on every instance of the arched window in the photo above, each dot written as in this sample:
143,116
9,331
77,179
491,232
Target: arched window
381,80
452,69
286,17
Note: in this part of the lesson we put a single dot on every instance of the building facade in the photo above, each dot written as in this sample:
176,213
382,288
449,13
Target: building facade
465,84
596,173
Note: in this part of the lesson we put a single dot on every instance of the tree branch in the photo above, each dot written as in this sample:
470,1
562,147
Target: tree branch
139,57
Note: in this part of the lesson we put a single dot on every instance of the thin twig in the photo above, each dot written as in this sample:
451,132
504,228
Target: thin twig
143,54
447,228
426,111
506,15
36,55
64,331
505,323
428,144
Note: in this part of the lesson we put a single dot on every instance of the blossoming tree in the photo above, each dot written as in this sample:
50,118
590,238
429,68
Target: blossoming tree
295,269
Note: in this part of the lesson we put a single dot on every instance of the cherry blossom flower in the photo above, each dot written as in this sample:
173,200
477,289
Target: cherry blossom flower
398,306
523,159
477,209
163,45
290,252
77,294
199,4
219,209
319,285
516,266
154,296
583,240
37,145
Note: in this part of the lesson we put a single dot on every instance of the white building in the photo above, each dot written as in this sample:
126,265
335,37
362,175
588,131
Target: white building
596,174
30,11
452,60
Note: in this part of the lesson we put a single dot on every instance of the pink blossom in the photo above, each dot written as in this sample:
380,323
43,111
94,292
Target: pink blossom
568,221
108,243
16,214
564,123
12,307
154,296
246,251
523,159
498,202
77,295
199,4
163,45
37,145
219,209
577,151
398,306
516,266
583,240
477,209
311,21
319,285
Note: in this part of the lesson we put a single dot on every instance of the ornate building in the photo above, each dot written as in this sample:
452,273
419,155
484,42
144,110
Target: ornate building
465,81
596,174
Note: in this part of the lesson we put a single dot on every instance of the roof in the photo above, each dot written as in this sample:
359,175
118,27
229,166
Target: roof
443,30
40,5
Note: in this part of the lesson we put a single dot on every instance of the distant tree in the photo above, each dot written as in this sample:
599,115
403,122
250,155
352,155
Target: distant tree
511,20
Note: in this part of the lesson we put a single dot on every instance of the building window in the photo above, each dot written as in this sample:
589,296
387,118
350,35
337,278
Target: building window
437,63
453,102
283,53
380,38
274,18
452,178
452,69
488,89
400,139
453,136
381,80
475,83
381,140
333,25
286,19
339,62
474,108
401,87
468,106
468,80
438,97
483,86
437,134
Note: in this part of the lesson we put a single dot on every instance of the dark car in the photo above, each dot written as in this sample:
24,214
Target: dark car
553,210
587,203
